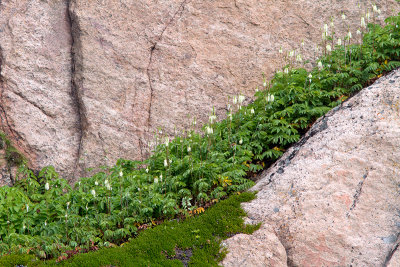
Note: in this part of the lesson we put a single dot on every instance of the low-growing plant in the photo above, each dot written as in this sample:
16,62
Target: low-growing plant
43,215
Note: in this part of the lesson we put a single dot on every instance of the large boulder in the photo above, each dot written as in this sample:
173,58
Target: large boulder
334,198
86,82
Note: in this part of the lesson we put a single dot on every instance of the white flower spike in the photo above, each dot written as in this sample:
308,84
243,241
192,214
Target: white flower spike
328,48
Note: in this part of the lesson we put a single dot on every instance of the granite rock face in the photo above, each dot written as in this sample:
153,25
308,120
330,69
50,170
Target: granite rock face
262,248
84,83
37,106
333,199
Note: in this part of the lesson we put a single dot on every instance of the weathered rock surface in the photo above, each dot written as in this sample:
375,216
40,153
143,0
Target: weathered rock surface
262,248
86,82
37,107
334,198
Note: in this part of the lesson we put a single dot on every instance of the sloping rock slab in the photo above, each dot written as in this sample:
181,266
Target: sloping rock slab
334,198
262,248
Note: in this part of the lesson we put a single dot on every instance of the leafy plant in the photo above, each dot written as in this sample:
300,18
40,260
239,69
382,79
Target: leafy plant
43,215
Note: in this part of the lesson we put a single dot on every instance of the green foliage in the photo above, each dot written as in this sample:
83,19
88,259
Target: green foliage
155,247
43,215
12,155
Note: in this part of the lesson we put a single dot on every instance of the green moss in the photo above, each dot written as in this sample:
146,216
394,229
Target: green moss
200,235
12,155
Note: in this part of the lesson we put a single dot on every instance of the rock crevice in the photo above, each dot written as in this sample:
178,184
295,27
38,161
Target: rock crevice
79,107
178,13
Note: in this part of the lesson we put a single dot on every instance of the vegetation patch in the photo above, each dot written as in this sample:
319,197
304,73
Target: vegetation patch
12,155
195,241
43,216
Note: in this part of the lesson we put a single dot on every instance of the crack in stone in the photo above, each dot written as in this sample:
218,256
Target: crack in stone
357,194
178,14
75,93
35,105
392,251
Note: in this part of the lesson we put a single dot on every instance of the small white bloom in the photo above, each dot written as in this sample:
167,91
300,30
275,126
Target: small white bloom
121,174
332,23
228,107
209,130
252,111
310,76
363,25
257,88
367,16
23,227
374,8
189,149
298,58
93,192
147,170
68,204
230,116
343,16
320,66
108,186
165,163
358,32
27,207
286,70
45,223
328,48
96,183
339,41
270,98
194,122
302,43
291,53
280,50
138,189
66,216
166,141
240,141
378,11
87,207
160,177
156,180
234,100
349,35
47,186
326,28
212,118
241,98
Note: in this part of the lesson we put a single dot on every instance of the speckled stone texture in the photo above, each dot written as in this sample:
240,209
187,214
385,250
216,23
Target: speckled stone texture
334,198
260,249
